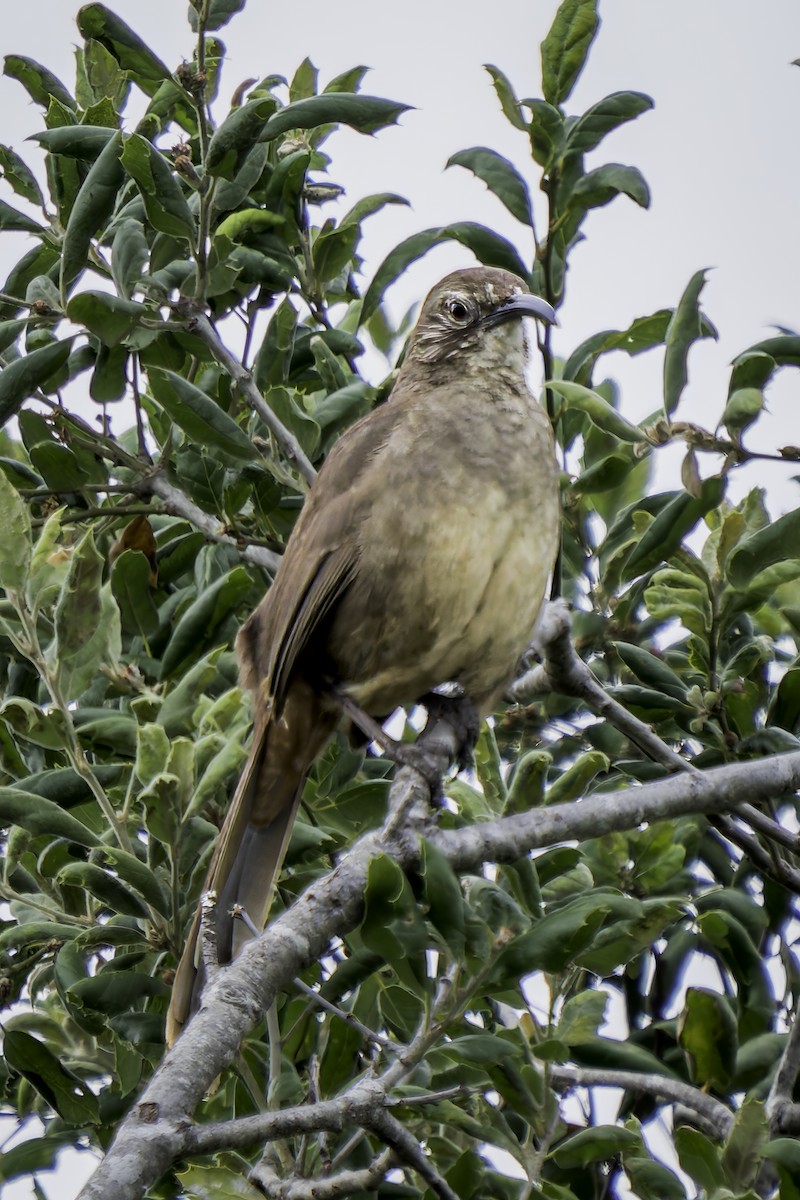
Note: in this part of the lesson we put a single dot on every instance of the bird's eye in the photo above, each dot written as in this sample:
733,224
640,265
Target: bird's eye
458,310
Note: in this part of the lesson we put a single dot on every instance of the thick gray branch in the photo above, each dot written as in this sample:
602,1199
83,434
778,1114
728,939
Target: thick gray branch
153,1134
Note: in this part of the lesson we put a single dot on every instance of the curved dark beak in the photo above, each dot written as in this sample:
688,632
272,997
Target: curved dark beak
524,305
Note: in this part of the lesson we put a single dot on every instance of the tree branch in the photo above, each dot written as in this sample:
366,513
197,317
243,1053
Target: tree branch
713,1112
564,671
178,504
782,1113
153,1134
199,323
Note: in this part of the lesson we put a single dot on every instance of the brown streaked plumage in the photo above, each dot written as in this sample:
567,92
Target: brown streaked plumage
421,557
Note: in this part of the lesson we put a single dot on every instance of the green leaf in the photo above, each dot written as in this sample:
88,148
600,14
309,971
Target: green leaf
219,13
581,1018
500,176
199,416
112,895
22,377
367,114
97,22
566,47
91,210
547,131
16,543
164,201
642,334
65,1092
129,255
75,141
488,247
237,134
785,1152
39,83
663,536
200,1182
41,816
507,97
598,1144
598,187
589,130
78,617
684,329
651,670
707,1035
699,1158
652,1180
775,543
202,619
110,318
741,1158
598,410
444,899
12,220
743,407
133,592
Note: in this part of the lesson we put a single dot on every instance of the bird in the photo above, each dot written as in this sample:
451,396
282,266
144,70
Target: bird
420,558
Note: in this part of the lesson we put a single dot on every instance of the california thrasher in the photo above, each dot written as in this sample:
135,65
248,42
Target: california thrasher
421,557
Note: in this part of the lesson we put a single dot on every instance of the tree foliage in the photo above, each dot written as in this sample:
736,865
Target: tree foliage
198,275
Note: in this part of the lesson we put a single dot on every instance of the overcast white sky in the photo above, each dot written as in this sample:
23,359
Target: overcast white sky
720,153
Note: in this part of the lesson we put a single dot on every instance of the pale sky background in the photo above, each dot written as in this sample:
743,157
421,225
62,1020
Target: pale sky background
720,153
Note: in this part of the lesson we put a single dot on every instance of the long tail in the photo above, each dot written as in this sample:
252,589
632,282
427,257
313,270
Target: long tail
253,840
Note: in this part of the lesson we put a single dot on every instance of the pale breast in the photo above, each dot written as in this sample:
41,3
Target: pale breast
455,560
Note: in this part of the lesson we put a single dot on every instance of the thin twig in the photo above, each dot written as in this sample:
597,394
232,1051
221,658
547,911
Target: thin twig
198,322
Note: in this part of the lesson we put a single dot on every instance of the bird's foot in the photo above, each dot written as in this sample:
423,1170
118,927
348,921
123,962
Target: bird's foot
459,712
405,754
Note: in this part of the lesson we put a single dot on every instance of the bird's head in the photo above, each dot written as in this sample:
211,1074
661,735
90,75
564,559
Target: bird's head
466,306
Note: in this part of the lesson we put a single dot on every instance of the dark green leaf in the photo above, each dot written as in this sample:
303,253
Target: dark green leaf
110,318
500,176
41,816
133,55
39,83
91,210
684,329
663,536
132,588
163,196
609,113
15,545
129,254
507,97
65,1092
565,49
75,141
12,220
775,543
201,621
444,899
367,114
237,134
597,1144
598,187
598,410
22,377
707,1034
199,416
218,14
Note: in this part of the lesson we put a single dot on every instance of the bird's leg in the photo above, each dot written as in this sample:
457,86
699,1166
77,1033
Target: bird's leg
458,710
400,752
